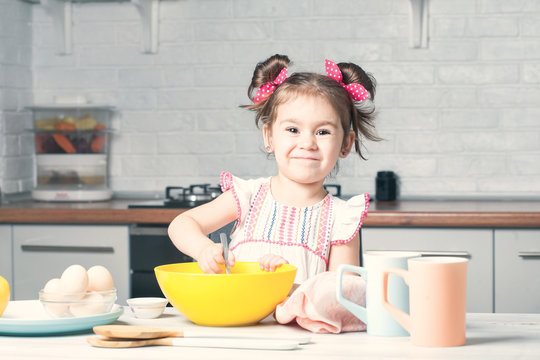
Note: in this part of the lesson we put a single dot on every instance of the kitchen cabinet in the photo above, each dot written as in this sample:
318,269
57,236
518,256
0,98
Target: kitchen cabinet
43,252
475,244
517,265
5,253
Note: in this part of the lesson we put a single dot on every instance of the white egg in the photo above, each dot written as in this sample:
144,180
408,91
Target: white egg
52,292
52,289
74,281
94,305
99,279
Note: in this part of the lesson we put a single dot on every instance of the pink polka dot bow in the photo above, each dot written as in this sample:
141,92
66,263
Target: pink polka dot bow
357,91
267,89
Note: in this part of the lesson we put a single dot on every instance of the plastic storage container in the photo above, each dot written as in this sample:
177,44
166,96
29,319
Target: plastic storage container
72,145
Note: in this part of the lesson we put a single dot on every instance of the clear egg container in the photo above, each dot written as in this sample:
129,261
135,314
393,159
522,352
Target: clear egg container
59,305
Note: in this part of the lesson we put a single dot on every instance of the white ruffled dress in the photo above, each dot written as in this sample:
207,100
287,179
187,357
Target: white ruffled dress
301,235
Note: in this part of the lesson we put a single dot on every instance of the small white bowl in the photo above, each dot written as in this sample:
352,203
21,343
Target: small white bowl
147,307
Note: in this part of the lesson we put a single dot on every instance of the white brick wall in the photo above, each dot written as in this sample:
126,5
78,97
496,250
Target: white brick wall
460,118
16,149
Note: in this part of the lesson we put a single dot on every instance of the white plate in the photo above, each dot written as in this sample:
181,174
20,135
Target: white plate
27,317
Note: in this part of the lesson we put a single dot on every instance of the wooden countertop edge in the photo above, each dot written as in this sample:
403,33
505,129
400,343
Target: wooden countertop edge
375,218
89,216
454,219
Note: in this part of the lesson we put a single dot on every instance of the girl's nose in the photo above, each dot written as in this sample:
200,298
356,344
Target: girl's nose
308,141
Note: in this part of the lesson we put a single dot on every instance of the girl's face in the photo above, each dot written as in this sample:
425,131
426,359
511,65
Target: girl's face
307,139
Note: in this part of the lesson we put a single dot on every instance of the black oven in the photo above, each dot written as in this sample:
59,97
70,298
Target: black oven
149,244
149,247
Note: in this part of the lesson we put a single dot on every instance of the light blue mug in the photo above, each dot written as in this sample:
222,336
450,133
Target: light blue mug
374,315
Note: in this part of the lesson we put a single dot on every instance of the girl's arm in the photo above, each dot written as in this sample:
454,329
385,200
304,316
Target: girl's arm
189,230
348,253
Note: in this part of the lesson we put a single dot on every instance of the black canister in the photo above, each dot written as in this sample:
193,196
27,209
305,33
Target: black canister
385,186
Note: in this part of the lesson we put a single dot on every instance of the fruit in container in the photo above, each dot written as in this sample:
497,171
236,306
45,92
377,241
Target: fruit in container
98,140
69,135
86,123
40,140
64,143
45,123
70,120
48,145
65,177
65,126
81,145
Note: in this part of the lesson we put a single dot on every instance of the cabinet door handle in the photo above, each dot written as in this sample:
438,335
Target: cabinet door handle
437,253
63,248
529,254
446,253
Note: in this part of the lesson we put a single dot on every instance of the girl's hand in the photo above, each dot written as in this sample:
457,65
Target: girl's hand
211,257
269,262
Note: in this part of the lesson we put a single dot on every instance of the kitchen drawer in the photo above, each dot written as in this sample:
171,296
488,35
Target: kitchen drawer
43,252
517,265
5,254
476,244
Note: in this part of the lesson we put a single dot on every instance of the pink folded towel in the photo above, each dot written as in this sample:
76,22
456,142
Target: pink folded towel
314,305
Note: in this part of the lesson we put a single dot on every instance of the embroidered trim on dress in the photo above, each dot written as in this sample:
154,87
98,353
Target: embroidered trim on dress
274,223
255,210
362,216
226,181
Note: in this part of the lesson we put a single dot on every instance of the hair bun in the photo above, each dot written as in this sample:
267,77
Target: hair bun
267,71
353,73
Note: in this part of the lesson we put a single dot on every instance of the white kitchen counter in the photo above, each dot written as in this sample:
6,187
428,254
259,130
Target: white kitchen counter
489,336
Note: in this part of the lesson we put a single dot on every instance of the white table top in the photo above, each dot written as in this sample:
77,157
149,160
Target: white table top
489,336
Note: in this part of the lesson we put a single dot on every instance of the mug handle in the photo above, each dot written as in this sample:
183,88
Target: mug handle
357,310
401,317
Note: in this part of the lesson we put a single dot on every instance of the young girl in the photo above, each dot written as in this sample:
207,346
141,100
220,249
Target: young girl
309,121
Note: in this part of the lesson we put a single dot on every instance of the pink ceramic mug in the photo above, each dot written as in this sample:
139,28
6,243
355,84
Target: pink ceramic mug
437,300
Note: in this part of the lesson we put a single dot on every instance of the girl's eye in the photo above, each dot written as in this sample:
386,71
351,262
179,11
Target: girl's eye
292,130
323,132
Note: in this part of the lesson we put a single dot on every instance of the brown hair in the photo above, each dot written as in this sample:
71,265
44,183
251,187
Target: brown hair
358,117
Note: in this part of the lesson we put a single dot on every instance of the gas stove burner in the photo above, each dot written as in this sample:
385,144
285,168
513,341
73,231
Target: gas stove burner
194,195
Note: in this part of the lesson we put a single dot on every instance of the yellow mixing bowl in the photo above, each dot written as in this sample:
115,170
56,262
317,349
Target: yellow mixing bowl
245,296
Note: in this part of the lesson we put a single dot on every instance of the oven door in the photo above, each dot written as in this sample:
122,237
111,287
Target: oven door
150,246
